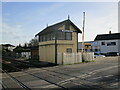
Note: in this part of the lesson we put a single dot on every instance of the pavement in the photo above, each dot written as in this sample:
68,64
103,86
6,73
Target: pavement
101,74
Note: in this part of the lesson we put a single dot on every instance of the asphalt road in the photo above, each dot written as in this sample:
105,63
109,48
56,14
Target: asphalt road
103,73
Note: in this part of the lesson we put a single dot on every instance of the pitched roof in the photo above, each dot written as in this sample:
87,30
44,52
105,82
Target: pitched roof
54,27
7,45
112,36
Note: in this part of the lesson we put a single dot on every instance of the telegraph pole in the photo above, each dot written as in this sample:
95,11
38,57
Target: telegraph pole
55,47
83,32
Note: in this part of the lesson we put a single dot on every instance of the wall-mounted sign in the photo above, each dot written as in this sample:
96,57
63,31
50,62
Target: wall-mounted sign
67,31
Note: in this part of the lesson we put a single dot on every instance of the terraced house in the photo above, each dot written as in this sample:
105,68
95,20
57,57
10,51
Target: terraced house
61,37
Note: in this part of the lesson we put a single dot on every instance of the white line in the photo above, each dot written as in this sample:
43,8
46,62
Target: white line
108,75
65,80
89,74
97,77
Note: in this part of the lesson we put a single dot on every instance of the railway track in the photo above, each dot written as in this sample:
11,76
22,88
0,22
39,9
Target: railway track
59,84
19,84
58,75
23,85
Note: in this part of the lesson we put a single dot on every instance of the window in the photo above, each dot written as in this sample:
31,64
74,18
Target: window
102,43
40,38
96,50
68,36
48,37
52,36
111,43
64,36
67,26
61,35
69,50
45,37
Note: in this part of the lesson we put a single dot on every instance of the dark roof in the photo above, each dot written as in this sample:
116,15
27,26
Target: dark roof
112,36
7,45
34,47
54,27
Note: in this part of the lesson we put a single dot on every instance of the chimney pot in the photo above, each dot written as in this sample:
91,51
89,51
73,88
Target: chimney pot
109,32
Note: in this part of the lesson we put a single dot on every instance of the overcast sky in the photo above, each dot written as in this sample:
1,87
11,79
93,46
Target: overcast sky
22,20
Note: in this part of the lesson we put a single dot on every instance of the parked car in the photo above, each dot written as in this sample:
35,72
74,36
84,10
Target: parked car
112,54
98,55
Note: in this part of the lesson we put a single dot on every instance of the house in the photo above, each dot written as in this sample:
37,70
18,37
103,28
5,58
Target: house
107,43
8,47
7,50
61,37
34,53
22,52
87,46
26,53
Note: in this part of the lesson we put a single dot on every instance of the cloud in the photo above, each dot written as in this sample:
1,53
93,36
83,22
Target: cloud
98,24
33,19
14,34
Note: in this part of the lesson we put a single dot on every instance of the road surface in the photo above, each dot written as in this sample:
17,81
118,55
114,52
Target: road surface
103,73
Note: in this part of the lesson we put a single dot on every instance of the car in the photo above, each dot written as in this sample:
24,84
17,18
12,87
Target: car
98,55
112,54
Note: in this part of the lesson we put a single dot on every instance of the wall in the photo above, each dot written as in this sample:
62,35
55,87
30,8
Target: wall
64,44
105,48
47,48
119,46
87,46
72,58
35,54
47,53
26,55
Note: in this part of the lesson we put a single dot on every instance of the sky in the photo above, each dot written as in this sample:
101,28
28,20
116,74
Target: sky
21,21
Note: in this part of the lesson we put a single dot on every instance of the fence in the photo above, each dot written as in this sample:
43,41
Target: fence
72,58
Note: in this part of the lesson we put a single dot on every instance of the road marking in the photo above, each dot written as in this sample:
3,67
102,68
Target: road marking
64,83
89,74
108,75
49,86
66,80
97,77
102,77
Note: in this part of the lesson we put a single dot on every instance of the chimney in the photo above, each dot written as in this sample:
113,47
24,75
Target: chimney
109,32
47,25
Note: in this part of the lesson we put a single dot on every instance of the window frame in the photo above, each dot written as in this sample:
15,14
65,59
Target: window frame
111,44
68,50
102,43
67,38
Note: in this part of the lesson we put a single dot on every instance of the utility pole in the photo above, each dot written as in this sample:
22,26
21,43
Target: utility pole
55,47
83,32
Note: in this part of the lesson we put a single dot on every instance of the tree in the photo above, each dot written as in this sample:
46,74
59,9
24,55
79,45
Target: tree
18,49
33,42
25,45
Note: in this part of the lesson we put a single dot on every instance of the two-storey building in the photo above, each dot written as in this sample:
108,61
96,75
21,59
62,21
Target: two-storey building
107,43
61,37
